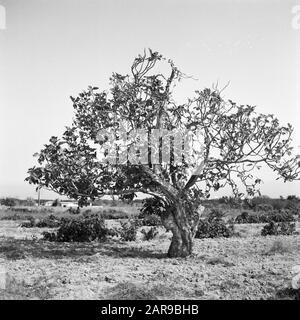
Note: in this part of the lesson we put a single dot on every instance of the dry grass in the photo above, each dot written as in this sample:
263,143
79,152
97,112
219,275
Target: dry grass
221,261
130,291
15,289
25,213
280,247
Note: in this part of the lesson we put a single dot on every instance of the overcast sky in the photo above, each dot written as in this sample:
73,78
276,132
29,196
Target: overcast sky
53,49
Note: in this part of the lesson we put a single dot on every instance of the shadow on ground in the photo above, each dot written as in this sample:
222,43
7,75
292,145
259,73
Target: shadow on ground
14,249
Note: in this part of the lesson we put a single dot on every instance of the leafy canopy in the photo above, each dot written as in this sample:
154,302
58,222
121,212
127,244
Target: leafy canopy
237,140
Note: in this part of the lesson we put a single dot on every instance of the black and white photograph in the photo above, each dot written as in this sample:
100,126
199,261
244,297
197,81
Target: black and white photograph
149,150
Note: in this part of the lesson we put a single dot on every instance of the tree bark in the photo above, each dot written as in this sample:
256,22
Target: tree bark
182,242
183,226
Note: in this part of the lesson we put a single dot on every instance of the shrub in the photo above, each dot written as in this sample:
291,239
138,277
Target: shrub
74,210
216,214
81,229
214,229
282,228
113,232
152,206
9,202
114,214
49,236
279,204
242,218
110,213
281,216
128,231
31,209
16,216
288,294
152,220
232,202
29,202
56,203
28,224
292,198
151,212
86,212
49,222
264,207
293,208
24,209
150,234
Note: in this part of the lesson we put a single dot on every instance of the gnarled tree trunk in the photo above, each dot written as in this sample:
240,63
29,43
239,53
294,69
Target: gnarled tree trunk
183,225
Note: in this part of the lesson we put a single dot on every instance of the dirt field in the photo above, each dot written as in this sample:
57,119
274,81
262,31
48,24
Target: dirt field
245,267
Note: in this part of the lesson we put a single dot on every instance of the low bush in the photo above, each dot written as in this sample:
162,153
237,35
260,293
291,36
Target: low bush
264,207
32,209
128,231
214,229
280,216
73,210
114,214
152,206
80,229
28,224
215,214
23,209
288,294
49,236
16,216
110,213
9,202
150,234
281,228
152,220
49,222
87,212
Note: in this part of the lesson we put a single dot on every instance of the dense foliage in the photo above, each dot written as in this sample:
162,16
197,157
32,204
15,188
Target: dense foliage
79,229
49,222
214,229
281,228
150,233
152,206
246,217
9,202
128,231
151,220
214,226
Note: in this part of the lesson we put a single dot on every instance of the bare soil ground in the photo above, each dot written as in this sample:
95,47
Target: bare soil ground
244,267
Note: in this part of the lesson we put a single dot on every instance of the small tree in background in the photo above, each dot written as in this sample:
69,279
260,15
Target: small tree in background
30,202
292,198
9,202
237,141
56,203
